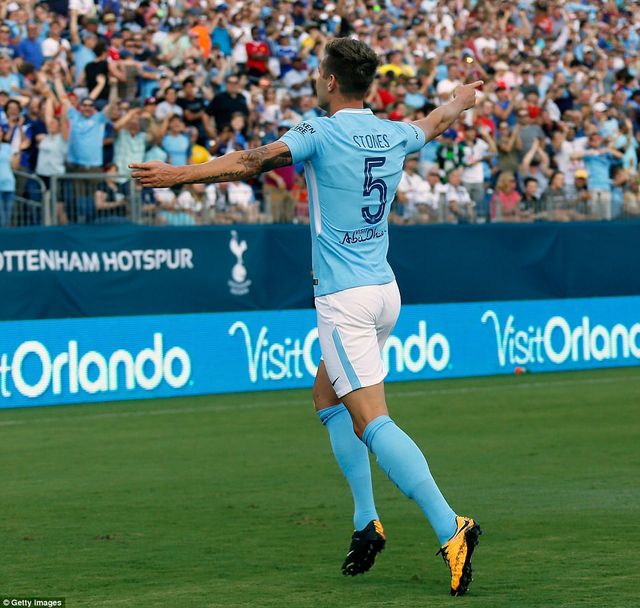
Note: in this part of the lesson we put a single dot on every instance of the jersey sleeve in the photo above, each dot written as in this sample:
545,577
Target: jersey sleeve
415,136
303,140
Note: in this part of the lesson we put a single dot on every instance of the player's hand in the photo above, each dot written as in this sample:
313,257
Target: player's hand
466,93
155,174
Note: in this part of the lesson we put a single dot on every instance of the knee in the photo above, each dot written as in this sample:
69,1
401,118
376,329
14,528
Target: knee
358,428
322,400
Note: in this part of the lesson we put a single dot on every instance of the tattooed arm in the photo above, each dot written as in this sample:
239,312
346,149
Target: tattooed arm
236,166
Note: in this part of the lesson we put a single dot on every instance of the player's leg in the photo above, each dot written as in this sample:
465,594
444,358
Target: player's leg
398,455
350,453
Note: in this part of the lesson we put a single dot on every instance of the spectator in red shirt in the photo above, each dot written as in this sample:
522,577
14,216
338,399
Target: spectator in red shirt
257,55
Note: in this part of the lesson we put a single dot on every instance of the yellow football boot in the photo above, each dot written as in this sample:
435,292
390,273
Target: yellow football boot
457,552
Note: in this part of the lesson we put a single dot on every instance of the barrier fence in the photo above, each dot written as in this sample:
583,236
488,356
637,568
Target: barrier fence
109,198
94,198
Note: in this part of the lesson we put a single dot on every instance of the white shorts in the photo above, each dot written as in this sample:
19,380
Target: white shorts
353,326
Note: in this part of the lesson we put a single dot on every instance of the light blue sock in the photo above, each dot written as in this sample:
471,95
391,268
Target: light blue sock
403,462
353,458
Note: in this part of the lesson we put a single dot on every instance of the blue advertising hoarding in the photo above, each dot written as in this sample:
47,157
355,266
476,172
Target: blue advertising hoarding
122,270
53,362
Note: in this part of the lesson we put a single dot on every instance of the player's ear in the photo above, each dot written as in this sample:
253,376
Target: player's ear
332,83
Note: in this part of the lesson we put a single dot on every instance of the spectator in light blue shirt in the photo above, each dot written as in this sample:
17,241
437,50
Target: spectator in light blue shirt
87,135
598,159
221,37
9,81
82,49
7,184
175,143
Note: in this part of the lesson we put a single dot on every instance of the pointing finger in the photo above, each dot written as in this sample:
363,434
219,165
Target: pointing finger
477,84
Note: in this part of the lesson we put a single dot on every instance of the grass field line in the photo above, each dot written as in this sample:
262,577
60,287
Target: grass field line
392,390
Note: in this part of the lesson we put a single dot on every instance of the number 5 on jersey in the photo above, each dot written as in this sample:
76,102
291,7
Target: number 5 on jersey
370,185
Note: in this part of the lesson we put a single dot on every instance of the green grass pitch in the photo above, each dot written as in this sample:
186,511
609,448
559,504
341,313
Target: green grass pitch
236,501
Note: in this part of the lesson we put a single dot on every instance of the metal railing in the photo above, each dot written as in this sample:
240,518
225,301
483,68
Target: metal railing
94,198
108,198
30,204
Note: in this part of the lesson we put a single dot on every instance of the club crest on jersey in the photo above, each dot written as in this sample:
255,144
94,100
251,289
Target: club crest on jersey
239,284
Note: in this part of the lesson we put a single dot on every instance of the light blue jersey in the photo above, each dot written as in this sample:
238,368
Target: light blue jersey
353,163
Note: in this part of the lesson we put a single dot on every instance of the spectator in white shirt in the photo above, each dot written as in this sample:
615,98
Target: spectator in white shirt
169,107
413,191
478,147
460,204
297,79
446,87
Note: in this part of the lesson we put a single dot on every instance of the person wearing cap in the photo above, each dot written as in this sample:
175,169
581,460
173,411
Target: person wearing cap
530,131
578,193
505,104
607,127
450,153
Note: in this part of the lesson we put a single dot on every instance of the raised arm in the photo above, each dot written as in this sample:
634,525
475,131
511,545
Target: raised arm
238,165
73,27
438,121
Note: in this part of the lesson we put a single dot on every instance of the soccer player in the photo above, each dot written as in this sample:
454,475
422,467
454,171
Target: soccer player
353,164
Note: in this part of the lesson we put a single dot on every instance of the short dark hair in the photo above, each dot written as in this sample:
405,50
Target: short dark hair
353,64
100,48
528,180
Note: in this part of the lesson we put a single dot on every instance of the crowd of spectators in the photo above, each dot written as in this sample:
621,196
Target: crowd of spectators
90,86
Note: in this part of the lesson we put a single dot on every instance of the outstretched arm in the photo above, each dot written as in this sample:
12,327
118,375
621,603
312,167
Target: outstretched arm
236,166
443,117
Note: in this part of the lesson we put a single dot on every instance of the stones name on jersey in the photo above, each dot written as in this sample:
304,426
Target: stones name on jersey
362,235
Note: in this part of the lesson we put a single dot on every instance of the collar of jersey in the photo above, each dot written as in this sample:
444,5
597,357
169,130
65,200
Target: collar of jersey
354,111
